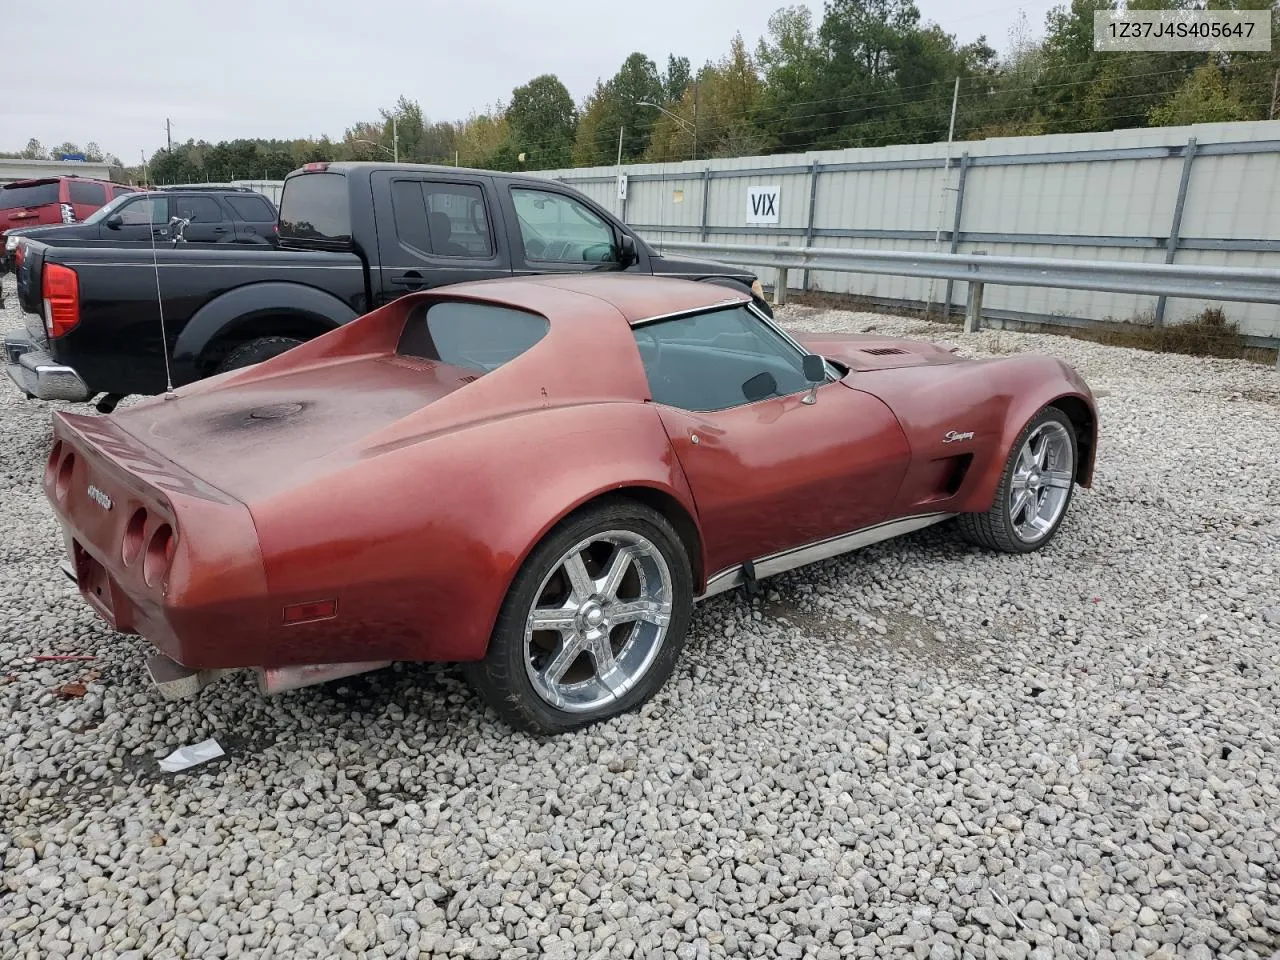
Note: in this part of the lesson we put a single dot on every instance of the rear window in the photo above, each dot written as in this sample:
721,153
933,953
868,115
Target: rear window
314,207
86,191
474,336
28,195
252,209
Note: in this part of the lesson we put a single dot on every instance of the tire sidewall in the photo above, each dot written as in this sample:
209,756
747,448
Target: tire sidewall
506,648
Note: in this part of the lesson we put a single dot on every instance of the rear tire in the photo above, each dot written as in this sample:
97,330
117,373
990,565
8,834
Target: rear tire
593,623
255,351
1035,490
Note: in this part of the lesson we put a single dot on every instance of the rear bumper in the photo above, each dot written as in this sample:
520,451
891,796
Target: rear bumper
37,374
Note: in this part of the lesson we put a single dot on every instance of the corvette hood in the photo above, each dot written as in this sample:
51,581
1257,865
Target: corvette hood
864,352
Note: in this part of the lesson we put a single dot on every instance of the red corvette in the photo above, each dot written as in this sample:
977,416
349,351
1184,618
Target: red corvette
538,476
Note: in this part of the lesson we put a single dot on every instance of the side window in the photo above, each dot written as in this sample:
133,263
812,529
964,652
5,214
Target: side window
717,360
474,336
557,228
251,209
441,219
82,191
456,220
198,209
410,212
153,210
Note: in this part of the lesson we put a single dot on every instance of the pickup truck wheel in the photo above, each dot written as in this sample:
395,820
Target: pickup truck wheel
593,623
255,351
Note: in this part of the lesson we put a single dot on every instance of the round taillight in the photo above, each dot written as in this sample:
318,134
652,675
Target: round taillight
132,545
159,552
63,483
51,465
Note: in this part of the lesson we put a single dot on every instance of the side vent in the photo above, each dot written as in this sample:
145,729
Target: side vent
469,378
882,351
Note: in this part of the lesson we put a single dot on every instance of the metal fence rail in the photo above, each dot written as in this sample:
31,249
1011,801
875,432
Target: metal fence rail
1236,284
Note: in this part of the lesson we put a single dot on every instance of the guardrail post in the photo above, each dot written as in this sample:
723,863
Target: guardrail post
780,282
706,200
814,170
973,303
955,228
1175,229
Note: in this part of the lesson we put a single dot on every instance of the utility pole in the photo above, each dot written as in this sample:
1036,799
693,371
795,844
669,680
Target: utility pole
1275,89
942,199
395,139
620,150
168,133
695,119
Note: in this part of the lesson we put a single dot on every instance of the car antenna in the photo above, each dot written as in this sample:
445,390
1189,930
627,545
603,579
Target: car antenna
164,337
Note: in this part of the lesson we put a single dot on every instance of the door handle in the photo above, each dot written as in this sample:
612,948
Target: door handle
413,279
219,229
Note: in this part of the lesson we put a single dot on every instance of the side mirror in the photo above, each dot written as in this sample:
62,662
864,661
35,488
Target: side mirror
114,222
815,368
815,371
627,250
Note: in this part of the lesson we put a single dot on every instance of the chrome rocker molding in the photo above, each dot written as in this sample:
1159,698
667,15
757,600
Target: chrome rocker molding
821,550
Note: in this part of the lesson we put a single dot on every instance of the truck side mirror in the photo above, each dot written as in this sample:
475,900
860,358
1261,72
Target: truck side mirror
627,250
114,221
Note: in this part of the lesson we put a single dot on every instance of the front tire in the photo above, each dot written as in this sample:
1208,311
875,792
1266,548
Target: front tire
593,623
1034,491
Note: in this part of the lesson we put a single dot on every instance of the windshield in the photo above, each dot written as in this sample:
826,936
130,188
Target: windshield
103,212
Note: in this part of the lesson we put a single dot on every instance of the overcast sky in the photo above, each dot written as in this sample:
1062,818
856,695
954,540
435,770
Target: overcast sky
82,70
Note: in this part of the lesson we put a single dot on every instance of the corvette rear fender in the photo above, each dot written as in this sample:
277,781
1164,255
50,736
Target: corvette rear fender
442,526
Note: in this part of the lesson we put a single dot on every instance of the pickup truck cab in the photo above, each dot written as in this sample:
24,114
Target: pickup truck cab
351,237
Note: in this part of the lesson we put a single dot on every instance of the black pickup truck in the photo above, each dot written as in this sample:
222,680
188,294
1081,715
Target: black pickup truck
352,236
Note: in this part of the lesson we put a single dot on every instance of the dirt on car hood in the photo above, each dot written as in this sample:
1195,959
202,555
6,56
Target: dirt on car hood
864,352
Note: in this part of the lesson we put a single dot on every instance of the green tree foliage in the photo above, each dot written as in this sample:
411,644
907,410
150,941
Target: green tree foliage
721,109
676,80
543,122
1203,98
616,105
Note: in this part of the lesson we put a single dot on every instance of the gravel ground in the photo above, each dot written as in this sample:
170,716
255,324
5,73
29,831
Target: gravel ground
923,750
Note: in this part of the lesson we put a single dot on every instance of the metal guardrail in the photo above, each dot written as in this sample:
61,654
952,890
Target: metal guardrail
1242,284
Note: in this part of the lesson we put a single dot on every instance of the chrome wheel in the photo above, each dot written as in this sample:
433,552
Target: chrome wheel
1041,482
598,621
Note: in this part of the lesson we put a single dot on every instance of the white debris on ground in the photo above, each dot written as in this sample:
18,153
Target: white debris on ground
921,750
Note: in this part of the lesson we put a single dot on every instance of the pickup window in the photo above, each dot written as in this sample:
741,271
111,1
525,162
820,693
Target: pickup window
557,228
314,208
441,219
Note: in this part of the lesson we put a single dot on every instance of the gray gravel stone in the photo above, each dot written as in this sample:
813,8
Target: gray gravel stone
923,749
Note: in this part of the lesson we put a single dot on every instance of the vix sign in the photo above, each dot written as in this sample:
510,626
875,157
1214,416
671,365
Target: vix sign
763,204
